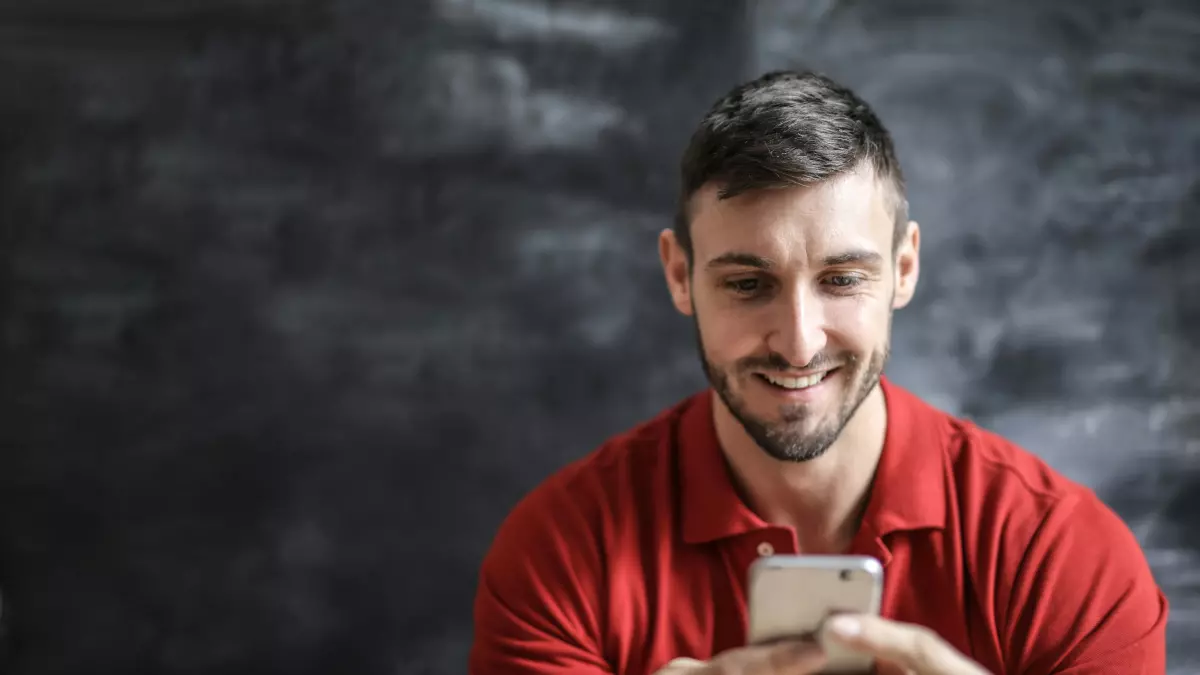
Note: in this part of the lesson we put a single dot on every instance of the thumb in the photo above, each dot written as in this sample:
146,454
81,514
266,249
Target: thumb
915,648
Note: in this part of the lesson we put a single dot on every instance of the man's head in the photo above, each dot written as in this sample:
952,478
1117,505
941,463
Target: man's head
791,248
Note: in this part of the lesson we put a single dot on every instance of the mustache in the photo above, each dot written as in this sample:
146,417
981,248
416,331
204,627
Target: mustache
776,362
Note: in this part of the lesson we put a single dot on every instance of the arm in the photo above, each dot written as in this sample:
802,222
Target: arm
1085,601
537,604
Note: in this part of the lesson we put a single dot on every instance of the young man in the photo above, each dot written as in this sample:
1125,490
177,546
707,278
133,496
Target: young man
791,250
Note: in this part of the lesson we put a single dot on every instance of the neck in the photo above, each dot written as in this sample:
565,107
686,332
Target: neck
822,499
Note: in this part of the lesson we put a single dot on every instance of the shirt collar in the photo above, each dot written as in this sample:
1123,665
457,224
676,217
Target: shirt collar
909,490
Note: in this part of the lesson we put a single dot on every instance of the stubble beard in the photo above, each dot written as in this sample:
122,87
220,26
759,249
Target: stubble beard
787,440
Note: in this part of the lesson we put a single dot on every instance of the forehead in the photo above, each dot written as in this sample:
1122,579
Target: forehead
850,210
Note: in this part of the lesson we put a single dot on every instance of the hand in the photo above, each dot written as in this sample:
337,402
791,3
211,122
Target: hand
907,648
790,657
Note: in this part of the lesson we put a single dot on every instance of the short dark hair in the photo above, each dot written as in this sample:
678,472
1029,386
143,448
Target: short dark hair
786,128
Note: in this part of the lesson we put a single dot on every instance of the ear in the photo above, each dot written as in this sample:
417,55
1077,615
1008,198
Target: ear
908,266
676,268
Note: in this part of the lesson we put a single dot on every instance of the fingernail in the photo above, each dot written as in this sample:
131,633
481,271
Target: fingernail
844,626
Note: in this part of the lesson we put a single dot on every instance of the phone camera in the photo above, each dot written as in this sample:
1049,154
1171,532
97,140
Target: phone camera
845,575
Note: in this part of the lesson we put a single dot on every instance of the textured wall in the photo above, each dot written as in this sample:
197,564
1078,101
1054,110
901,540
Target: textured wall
299,297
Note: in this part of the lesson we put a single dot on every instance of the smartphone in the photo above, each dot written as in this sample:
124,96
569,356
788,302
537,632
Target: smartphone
789,596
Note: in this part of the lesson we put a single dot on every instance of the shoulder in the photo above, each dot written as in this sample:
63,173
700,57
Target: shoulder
988,477
1009,494
1068,578
1034,500
1008,476
579,501
1023,504
542,582
984,470
1077,589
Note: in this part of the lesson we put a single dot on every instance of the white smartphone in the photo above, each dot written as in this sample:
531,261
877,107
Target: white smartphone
790,596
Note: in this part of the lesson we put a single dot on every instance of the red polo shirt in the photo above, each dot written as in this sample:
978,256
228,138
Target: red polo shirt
638,554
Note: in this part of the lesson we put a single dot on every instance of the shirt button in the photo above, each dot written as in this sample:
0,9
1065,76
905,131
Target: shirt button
766,549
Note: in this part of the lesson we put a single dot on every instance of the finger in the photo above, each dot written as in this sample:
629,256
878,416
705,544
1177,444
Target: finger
682,667
913,647
681,662
888,668
789,657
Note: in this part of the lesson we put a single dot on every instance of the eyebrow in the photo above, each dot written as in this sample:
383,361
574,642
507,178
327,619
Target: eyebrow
740,260
859,256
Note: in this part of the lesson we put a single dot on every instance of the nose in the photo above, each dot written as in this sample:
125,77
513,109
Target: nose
799,332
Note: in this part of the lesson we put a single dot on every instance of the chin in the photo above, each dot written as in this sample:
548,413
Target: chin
787,443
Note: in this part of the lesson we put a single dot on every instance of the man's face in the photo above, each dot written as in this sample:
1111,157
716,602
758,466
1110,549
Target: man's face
792,292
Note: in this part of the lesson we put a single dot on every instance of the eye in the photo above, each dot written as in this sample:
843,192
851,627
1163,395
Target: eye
844,281
745,286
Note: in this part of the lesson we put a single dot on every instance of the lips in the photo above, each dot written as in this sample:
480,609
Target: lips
795,383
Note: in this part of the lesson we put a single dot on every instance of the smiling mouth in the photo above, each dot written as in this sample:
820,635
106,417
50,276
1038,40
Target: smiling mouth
795,383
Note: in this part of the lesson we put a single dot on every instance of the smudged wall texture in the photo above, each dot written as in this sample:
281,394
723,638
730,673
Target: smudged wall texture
298,298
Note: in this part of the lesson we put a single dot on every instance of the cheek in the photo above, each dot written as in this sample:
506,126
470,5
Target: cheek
729,336
858,326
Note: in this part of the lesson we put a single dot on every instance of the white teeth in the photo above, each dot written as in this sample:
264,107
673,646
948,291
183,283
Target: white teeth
795,382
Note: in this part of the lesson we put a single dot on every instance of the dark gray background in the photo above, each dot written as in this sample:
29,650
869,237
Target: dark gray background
299,297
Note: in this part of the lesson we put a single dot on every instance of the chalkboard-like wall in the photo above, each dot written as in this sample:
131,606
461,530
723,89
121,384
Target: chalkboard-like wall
297,298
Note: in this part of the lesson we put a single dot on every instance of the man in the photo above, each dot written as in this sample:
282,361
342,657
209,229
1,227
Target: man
791,250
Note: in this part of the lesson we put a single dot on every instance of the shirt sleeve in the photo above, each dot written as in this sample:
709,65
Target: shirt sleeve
538,599
1086,602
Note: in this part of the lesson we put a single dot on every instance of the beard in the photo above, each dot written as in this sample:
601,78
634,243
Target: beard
793,438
